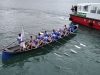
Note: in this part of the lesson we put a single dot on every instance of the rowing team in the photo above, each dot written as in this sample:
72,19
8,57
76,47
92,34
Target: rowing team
46,37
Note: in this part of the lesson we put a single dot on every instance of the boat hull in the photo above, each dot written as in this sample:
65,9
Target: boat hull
89,22
7,55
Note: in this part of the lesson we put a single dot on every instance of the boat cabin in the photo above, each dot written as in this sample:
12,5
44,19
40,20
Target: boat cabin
91,10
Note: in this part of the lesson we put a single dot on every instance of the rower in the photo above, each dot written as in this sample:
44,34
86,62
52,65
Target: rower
46,34
36,42
45,39
19,42
40,37
30,43
53,37
58,34
64,32
66,29
61,32
54,32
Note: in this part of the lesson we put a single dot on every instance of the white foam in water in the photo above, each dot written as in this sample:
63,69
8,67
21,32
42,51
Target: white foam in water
82,44
57,54
67,18
77,46
66,54
60,17
63,18
41,33
73,51
26,33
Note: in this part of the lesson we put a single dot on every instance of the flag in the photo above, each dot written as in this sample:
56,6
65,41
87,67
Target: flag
22,38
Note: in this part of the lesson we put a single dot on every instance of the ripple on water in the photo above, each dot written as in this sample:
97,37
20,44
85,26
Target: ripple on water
97,51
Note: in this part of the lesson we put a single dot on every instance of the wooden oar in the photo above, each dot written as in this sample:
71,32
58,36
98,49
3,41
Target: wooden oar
51,51
67,47
75,41
7,46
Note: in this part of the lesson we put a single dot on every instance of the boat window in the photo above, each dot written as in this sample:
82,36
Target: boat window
85,8
79,8
93,9
98,12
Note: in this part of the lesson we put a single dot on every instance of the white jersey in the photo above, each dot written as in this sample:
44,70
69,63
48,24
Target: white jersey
19,39
21,43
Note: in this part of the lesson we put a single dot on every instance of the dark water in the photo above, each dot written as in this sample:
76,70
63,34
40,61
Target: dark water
40,15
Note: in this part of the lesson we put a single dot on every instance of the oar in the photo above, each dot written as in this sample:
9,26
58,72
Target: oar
74,41
7,46
62,44
67,47
51,51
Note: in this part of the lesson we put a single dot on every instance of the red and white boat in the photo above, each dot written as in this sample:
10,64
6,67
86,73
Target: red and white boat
87,14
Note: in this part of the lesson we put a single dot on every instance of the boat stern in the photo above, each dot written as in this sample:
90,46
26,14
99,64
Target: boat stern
7,55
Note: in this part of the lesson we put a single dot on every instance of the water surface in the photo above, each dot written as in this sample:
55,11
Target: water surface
40,15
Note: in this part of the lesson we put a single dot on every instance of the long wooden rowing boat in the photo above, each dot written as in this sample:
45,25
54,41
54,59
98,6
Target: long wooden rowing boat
14,51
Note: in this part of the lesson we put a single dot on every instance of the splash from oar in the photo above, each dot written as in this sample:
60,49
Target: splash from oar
57,54
66,54
77,47
73,51
82,44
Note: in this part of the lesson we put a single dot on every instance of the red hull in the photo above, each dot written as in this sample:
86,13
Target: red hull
86,21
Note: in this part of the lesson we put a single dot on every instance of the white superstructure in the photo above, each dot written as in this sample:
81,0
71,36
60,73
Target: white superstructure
89,10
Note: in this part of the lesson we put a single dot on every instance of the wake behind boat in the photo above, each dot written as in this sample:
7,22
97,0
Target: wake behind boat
14,51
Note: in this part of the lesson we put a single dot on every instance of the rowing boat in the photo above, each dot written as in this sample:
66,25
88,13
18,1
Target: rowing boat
14,51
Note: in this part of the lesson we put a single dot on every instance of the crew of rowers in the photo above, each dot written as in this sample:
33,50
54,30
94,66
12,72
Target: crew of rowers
46,37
